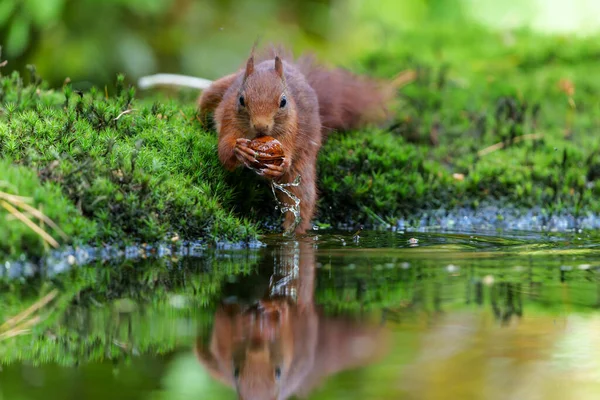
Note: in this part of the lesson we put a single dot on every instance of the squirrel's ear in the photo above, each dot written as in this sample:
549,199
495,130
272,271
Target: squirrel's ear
249,67
279,66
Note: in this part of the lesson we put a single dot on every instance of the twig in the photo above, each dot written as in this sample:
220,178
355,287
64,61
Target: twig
147,82
19,215
501,145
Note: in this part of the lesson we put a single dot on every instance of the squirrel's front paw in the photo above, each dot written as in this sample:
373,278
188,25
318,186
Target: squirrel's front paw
245,154
276,171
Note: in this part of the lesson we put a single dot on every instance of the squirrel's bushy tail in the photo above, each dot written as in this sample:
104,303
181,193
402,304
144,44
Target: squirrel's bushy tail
349,101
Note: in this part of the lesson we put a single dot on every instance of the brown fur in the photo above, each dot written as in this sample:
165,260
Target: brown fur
319,100
306,345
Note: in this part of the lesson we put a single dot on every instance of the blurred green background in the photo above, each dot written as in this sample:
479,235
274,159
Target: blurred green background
90,41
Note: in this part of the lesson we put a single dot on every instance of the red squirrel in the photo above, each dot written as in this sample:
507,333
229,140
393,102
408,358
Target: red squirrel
297,103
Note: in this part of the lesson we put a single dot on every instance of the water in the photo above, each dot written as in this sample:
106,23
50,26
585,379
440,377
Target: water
285,206
376,315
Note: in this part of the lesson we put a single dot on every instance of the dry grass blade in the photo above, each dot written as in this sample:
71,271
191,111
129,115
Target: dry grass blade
124,113
20,216
13,198
19,201
501,145
12,322
39,215
20,330
19,325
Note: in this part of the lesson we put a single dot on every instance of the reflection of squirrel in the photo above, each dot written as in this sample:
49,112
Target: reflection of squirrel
283,345
297,103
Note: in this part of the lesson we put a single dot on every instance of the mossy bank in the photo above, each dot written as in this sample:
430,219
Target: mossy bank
507,120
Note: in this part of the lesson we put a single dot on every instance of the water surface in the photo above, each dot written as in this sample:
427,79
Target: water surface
377,315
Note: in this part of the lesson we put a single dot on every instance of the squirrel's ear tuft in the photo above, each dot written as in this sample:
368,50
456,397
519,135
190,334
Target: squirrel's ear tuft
279,66
249,67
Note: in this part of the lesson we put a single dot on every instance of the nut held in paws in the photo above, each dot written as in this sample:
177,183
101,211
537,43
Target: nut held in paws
270,149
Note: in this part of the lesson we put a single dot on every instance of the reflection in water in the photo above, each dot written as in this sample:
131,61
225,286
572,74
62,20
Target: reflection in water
275,344
498,321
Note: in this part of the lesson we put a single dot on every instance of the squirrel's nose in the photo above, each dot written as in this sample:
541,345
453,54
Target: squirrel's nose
261,129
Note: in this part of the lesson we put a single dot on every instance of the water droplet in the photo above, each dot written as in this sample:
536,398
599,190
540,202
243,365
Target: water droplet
294,208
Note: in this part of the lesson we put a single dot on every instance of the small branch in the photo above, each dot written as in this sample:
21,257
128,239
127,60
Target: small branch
147,82
501,145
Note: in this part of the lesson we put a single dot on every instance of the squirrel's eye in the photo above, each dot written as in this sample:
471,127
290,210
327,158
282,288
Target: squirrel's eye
283,102
277,372
242,102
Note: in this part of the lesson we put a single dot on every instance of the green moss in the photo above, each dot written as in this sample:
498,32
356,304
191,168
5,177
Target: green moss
140,169
16,236
369,173
473,91
136,170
